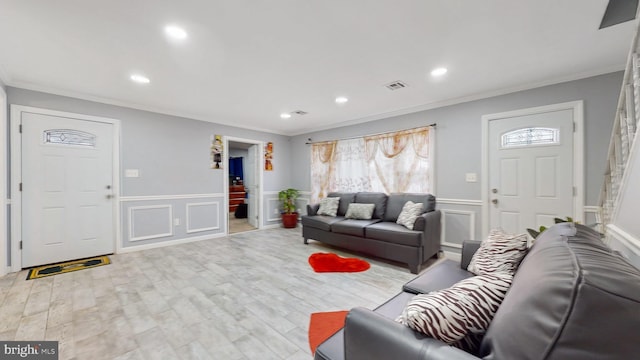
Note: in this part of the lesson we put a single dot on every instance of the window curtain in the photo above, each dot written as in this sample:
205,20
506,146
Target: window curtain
235,168
399,162
322,155
392,162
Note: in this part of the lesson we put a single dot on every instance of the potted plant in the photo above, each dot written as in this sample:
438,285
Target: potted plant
289,214
534,233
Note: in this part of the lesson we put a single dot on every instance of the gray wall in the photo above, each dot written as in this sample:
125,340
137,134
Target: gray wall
4,229
172,156
458,142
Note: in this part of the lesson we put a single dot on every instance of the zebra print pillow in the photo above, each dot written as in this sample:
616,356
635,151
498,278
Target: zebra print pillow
458,315
501,252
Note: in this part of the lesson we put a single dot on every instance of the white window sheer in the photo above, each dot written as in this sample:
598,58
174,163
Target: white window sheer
393,162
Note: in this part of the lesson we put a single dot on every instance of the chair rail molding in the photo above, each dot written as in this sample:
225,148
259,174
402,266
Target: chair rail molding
468,202
170,197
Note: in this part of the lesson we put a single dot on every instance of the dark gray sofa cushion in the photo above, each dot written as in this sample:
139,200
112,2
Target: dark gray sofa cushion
376,198
569,300
438,276
333,347
396,201
393,233
345,200
321,222
352,226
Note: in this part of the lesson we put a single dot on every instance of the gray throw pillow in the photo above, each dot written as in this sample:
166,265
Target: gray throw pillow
360,211
409,214
329,206
501,252
458,315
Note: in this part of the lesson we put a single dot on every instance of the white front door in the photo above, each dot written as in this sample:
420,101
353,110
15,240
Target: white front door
251,183
67,191
530,170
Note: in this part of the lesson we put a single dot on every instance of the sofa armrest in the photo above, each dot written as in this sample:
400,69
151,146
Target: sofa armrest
428,222
469,247
371,336
312,209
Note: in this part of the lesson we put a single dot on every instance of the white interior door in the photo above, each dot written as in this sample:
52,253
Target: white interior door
530,170
67,194
252,185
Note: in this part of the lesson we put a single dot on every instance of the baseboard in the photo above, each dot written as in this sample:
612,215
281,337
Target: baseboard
452,255
160,244
274,226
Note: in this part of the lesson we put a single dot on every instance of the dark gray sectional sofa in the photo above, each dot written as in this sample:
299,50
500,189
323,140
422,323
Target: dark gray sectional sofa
380,236
572,298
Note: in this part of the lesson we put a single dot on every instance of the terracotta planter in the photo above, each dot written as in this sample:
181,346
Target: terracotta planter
290,220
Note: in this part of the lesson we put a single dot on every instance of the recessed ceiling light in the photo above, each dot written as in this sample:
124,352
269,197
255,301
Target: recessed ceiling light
285,115
438,71
341,100
140,79
175,32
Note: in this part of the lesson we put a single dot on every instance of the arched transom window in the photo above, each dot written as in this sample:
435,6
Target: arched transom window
69,137
531,136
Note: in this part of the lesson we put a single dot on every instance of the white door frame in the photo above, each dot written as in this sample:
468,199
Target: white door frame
16,174
578,154
3,172
260,174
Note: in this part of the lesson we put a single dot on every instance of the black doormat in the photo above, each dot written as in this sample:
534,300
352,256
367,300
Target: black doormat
65,267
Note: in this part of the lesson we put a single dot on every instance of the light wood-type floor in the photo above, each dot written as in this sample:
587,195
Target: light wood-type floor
246,296
239,225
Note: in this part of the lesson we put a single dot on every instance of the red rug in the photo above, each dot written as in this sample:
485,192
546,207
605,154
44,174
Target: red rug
328,262
324,324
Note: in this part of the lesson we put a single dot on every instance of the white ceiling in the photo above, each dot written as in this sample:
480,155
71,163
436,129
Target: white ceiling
245,62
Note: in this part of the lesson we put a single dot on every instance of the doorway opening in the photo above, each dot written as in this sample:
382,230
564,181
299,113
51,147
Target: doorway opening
243,177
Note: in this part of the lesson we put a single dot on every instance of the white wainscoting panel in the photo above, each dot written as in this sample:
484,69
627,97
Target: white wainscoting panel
301,205
207,210
270,207
449,216
136,214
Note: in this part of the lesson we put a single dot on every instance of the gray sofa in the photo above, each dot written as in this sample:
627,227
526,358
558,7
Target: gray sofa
572,298
380,236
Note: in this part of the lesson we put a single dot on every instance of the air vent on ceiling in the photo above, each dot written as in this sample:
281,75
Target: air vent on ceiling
619,11
396,85
299,112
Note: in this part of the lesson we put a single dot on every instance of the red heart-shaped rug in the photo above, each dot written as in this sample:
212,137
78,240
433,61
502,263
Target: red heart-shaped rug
329,262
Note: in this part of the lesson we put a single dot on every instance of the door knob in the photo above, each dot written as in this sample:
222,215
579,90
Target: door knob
495,201
109,196
494,190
